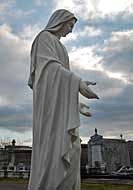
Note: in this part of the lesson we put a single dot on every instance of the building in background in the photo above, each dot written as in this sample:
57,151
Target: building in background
108,155
84,160
130,149
15,160
100,155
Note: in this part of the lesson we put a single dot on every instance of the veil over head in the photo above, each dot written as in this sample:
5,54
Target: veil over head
55,22
59,17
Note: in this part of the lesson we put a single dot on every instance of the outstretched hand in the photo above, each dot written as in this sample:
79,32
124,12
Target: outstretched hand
86,91
83,109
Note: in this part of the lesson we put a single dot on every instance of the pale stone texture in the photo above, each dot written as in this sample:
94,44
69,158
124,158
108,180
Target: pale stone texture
56,144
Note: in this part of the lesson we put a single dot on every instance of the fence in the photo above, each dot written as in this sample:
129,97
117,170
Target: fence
14,174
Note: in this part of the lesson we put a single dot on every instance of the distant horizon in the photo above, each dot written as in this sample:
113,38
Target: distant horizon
84,140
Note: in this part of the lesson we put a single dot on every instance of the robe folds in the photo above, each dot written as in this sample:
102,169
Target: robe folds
55,163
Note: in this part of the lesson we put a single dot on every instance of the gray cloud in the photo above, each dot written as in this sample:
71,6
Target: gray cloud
16,118
15,97
118,54
112,113
111,116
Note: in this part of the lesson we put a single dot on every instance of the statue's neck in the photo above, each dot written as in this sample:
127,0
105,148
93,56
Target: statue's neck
58,35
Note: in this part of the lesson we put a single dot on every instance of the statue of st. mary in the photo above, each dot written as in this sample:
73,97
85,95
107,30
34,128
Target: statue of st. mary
55,161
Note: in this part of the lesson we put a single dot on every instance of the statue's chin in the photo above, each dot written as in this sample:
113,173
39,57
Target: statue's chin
65,34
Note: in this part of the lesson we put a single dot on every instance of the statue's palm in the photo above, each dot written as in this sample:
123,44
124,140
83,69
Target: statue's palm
86,91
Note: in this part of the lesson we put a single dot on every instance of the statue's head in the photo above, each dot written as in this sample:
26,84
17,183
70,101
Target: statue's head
67,27
61,21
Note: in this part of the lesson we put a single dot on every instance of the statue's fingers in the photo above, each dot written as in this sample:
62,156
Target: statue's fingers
82,105
97,96
92,95
90,83
93,83
88,114
87,107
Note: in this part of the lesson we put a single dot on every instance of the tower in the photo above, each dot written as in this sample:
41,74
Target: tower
96,149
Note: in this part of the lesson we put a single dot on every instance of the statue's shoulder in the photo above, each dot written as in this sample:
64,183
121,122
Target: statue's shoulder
45,35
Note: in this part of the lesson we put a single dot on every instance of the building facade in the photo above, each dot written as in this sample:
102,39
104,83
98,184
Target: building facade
99,155
109,154
15,158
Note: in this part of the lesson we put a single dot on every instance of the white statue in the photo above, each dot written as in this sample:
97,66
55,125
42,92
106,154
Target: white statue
56,144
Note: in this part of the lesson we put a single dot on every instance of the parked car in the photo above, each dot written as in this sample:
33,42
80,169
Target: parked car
124,171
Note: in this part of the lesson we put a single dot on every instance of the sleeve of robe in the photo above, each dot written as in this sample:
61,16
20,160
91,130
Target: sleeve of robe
55,109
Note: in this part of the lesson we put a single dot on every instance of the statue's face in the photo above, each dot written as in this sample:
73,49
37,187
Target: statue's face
67,27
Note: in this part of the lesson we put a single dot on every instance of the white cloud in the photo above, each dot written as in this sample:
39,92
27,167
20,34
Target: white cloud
94,8
119,40
14,53
70,37
80,8
90,31
87,59
84,58
85,32
113,6
29,32
67,4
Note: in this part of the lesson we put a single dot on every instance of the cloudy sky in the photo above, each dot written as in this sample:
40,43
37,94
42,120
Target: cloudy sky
100,49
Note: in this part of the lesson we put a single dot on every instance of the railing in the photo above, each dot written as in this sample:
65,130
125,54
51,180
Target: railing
14,174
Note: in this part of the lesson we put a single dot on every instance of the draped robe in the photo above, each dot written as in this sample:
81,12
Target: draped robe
55,163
